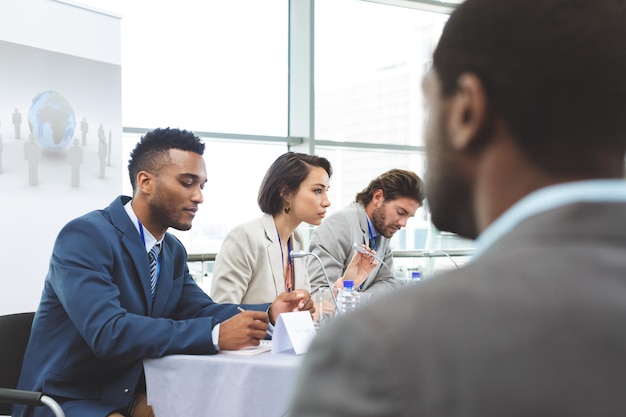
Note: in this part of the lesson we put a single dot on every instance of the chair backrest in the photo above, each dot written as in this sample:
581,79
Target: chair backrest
14,335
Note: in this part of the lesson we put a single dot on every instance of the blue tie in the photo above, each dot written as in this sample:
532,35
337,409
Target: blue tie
153,256
372,243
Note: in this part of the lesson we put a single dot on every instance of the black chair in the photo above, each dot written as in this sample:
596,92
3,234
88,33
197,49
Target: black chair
14,334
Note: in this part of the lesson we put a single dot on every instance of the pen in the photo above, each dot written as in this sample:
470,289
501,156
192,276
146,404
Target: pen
267,332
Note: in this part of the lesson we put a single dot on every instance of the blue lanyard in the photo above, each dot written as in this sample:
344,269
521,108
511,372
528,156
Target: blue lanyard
143,239
370,230
290,282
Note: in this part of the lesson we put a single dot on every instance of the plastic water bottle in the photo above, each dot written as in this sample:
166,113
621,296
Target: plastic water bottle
348,298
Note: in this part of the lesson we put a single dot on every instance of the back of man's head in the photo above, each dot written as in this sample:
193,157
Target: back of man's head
553,70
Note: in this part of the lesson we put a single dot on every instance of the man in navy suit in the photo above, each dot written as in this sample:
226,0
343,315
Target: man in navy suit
100,314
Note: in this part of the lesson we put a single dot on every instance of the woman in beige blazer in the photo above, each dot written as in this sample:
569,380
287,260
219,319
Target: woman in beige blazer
254,264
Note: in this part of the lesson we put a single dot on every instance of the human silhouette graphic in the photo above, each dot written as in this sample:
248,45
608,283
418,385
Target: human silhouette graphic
32,153
101,135
84,128
76,159
102,154
17,122
109,150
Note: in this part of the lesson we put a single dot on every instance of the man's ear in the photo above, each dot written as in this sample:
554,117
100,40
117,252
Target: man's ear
378,197
467,112
145,182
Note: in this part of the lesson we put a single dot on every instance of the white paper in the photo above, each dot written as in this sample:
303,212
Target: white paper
264,346
293,333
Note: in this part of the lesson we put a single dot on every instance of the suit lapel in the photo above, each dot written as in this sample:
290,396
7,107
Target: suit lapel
365,236
135,247
273,252
139,257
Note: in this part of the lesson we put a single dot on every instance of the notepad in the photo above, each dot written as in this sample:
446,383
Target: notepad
264,346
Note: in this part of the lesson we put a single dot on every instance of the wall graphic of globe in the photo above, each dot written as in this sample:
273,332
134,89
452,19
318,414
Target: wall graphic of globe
51,120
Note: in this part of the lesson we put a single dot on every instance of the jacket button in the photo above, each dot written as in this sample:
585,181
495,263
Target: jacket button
126,391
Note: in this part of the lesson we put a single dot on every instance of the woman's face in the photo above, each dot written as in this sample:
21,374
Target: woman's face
310,202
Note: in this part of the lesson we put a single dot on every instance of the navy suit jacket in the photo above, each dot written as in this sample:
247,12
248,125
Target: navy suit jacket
97,320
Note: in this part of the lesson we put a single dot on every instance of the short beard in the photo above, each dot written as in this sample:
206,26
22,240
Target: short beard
378,220
449,192
161,214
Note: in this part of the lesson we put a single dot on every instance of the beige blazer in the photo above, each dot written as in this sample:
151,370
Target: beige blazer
248,267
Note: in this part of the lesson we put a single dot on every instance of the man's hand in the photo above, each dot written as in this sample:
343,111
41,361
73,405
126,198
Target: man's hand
298,300
245,329
359,268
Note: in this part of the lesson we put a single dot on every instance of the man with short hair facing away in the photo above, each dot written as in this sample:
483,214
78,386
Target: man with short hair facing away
525,152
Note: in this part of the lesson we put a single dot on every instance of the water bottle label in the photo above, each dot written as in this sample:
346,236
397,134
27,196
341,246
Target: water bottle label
348,300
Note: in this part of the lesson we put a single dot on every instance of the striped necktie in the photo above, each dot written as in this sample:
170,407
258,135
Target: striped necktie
153,256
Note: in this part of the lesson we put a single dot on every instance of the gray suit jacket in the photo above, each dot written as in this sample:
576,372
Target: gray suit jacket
332,242
249,266
534,327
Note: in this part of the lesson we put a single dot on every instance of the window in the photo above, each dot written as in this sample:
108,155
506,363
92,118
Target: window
222,67
370,59
213,66
369,63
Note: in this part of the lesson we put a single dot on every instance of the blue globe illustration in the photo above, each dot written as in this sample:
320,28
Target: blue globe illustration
51,120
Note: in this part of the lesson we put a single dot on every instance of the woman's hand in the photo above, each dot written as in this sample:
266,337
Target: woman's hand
298,300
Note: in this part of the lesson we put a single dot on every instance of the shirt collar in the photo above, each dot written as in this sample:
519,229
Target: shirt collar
610,190
150,240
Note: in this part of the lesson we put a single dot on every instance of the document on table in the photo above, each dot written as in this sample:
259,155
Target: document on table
264,346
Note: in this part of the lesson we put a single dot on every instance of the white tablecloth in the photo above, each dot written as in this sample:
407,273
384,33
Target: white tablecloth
221,385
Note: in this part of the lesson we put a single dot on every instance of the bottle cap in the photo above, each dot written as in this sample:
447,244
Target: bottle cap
416,275
348,284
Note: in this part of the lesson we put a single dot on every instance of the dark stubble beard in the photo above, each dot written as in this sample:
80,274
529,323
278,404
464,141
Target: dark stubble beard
165,214
448,190
379,219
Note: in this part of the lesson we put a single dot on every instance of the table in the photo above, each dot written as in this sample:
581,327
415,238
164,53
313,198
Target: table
221,385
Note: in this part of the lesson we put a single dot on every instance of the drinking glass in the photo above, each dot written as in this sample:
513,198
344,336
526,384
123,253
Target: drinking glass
324,307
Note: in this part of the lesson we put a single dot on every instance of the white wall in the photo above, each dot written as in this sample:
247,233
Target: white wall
53,45
62,26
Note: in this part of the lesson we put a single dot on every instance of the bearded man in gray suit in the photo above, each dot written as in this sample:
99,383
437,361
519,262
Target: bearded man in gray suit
377,212
525,151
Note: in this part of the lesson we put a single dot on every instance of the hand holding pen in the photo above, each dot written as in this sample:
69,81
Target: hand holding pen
242,330
267,332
